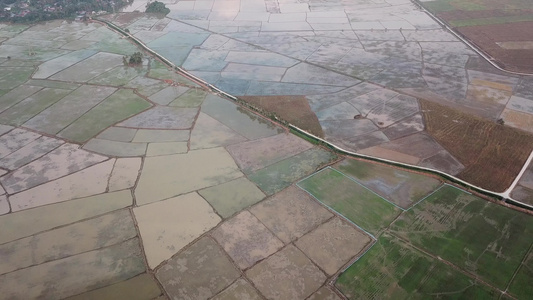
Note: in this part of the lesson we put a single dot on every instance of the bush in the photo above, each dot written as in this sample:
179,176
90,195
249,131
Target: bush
157,7
136,58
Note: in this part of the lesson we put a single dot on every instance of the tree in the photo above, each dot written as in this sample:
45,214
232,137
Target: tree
157,7
136,58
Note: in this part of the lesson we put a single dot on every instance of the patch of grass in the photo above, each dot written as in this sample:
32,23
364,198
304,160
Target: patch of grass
26,109
16,28
393,270
438,6
191,98
492,154
478,236
350,199
12,77
159,70
491,21
475,5
469,5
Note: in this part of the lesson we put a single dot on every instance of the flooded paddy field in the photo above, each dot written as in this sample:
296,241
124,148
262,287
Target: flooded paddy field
122,179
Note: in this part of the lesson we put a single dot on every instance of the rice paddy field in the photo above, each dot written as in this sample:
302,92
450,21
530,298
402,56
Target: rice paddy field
406,273
354,201
443,242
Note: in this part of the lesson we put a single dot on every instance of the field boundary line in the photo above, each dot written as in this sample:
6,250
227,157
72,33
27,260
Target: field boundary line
367,188
427,196
520,266
310,136
358,258
312,174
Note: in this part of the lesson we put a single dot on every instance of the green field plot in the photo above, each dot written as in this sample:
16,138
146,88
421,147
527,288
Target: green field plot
489,11
117,107
393,270
449,5
400,187
480,237
11,30
521,286
119,76
31,106
159,70
280,175
472,5
366,209
191,98
492,20
115,45
11,77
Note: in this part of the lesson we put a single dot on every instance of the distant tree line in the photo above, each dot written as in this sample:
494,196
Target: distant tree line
43,10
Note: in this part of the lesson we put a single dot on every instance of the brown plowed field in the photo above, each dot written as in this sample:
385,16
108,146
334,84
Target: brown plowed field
293,109
487,38
492,154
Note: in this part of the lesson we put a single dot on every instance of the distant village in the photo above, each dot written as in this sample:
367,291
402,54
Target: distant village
20,11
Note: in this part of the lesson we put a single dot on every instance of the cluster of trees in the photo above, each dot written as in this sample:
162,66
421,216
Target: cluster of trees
42,10
135,59
157,7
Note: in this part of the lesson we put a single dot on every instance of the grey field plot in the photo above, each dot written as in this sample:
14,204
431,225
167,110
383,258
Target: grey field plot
485,239
350,199
361,69
151,146
398,186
